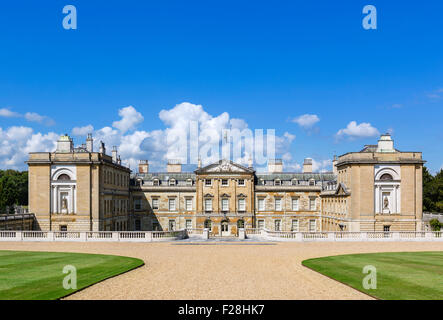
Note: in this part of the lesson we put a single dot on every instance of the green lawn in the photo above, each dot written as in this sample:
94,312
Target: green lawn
400,275
28,275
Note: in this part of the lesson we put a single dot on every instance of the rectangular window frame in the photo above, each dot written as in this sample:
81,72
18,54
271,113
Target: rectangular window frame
295,205
208,208
278,204
155,203
242,204
225,204
188,204
172,204
261,207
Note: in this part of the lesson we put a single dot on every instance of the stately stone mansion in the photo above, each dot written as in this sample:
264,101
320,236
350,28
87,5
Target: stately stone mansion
76,189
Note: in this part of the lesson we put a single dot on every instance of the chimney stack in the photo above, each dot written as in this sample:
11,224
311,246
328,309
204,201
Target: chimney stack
119,160
385,144
143,166
275,165
174,166
250,164
307,165
334,165
89,143
114,154
102,149
199,163
65,144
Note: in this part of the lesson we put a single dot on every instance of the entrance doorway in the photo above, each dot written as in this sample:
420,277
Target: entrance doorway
225,229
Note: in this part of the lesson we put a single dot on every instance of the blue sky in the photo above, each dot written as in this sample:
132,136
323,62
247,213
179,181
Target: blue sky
264,62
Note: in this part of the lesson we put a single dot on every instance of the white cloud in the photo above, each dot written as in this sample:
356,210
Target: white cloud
289,136
8,113
17,142
321,165
130,119
317,165
29,116
435,95
210,128
82,131
35,117
354,130
157,146
306,121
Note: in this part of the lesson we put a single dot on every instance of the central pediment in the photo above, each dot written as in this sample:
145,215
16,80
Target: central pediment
224,166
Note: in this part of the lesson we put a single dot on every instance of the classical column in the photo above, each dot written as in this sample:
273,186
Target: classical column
71,205
74,199
377,199
53,199
57,200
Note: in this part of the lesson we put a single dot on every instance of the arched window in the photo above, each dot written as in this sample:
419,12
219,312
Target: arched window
64,176
386,176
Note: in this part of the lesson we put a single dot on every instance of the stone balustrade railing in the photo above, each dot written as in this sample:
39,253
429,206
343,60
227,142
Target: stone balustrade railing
258,234
264,234
253,231
82,236
194,231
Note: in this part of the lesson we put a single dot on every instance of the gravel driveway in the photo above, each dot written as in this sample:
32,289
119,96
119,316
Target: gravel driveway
215,270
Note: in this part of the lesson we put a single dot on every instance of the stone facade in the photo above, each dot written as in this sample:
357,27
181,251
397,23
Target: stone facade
225,196
376,189
76,189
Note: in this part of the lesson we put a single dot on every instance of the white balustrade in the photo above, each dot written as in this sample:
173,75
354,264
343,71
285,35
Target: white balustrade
258,234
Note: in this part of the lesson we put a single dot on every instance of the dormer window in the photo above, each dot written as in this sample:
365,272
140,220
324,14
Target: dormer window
312,182
189,182
277,182
172,182
294,182
156,182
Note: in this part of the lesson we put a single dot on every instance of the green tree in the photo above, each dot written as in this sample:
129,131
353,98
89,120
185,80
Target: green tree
432,191
435,225
13,188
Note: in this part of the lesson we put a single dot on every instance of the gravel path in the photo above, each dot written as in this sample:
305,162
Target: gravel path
222,270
